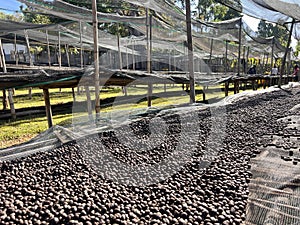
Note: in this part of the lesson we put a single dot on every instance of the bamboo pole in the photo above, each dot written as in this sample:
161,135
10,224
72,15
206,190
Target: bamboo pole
190,51
28,47
48,49
285,54
96,61
48,107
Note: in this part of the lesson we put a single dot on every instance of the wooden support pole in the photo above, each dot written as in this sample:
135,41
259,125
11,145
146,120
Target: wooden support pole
170,68
89,102
240,45
285,54
190,51
244,59
28,47
10,92
226,57
127,57
30,93
48,49
67,54
81,44
11,104
73,94
16,50
59,50
226,88
272,53
4,100
48,107
2,57
210,53
96,61
133,58
119,49
203,94
247,57
148,34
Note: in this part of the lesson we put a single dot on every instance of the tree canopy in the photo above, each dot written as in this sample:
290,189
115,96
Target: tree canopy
266,29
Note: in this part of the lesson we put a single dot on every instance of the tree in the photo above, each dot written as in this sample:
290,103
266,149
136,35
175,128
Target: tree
297,52
210,10
13,17
266,29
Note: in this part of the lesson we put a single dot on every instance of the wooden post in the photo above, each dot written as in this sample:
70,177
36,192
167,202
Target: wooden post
96,61
59,50
285,54
16,50
226,56
81,45
210,53
170,68
73,94
4,100
30,93
48,49
244,57
133,58
247,57
48,107
119,49
226,88
190,51
148,33
67,54
263,63
2,56
240,45
10,92
266,65
272,53
89,102
127,57
28,47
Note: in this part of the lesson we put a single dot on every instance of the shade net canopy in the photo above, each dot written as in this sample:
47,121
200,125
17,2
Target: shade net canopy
215,43
278,11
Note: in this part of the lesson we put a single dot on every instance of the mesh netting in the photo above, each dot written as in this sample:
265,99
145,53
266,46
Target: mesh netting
212,40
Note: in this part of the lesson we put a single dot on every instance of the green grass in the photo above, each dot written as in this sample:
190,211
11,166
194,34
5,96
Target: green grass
26,127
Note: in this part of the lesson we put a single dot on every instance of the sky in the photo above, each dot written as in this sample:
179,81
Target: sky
10,5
